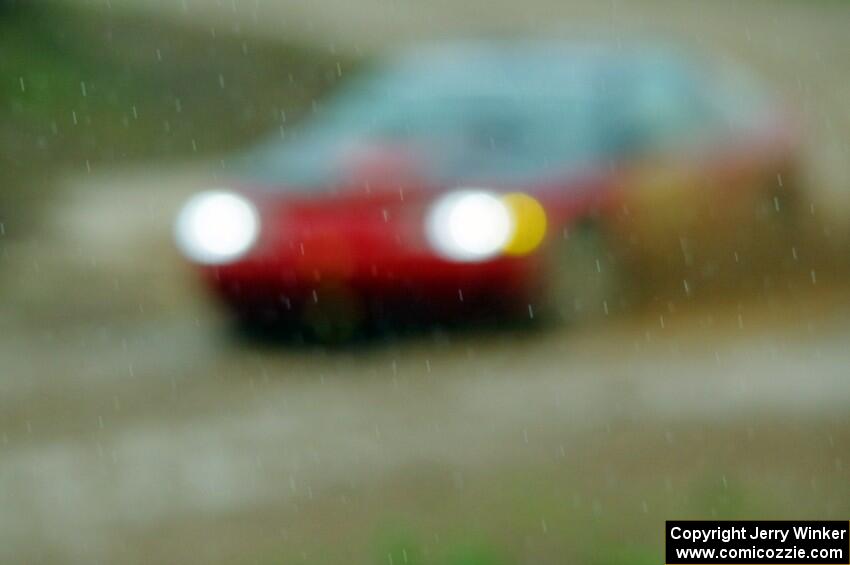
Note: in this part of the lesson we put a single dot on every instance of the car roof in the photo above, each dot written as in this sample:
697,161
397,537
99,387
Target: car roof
469,52
523,67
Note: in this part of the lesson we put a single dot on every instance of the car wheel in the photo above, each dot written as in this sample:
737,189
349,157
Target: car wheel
334,315
270,325
585,281
778,226
780,205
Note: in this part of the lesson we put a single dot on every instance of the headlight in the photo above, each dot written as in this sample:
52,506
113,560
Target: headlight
469,225
216,227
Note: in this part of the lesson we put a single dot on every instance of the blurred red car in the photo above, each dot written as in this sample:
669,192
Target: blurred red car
494,178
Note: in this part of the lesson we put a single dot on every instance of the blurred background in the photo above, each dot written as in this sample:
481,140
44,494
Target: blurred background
134,428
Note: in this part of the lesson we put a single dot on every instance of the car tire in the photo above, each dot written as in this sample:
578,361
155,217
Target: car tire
780,206
585,282
336,315
779,226
262,326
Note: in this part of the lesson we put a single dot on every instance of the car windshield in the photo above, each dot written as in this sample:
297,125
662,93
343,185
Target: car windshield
498,117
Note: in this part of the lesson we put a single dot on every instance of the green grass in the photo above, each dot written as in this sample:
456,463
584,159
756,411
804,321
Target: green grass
85,89
600,505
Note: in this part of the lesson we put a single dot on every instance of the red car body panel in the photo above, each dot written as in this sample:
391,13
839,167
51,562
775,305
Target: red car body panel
369,237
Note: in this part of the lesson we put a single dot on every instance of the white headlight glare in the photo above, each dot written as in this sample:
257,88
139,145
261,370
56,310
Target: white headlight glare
216,227
469,225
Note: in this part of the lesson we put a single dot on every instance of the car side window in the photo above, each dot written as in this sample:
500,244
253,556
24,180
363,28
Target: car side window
670,111
651,110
